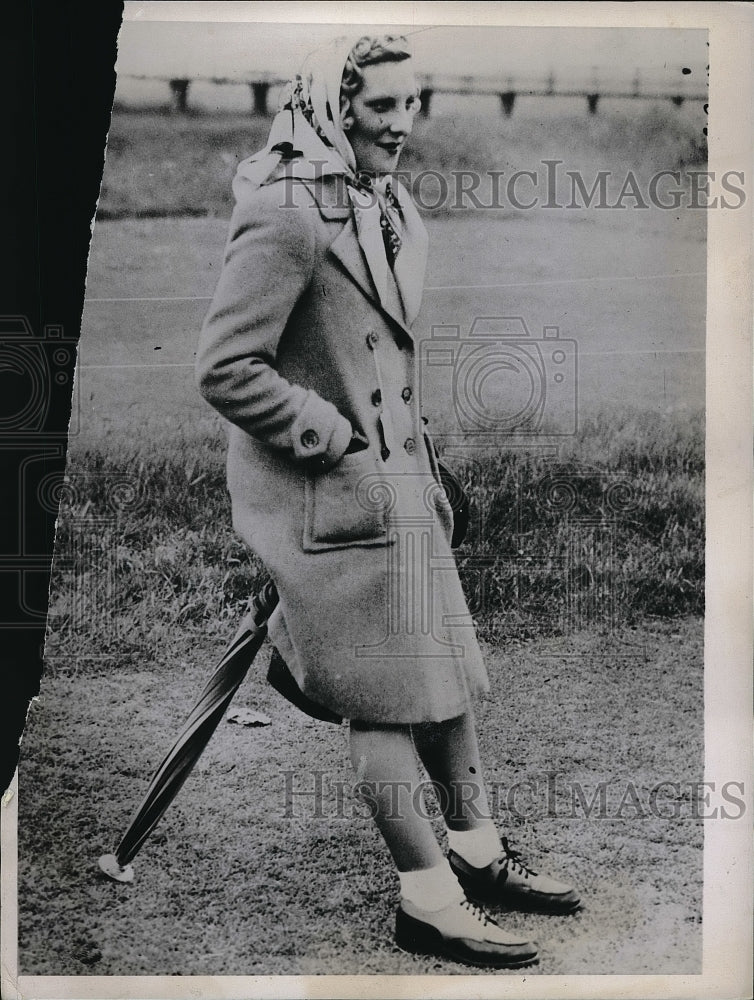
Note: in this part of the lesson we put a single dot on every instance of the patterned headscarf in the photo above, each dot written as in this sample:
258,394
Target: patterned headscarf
315,94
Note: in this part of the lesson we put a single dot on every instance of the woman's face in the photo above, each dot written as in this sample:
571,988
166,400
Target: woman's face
383,115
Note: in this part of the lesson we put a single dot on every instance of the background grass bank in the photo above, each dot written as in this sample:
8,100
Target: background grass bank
161,164
608,531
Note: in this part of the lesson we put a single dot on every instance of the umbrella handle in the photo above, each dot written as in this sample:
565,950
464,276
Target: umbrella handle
264,603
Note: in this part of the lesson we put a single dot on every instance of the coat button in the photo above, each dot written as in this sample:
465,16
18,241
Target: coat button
310,439
376,398
410,446
373,339
406,394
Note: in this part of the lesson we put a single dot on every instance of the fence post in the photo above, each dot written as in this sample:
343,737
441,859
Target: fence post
259,91
179,95
508,99
425,96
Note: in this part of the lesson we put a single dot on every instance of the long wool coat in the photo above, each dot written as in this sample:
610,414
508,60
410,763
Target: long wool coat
297,352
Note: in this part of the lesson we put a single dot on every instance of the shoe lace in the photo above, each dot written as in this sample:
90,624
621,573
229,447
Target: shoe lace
477,912
512,860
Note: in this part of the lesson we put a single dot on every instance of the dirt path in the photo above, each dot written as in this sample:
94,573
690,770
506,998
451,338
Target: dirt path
251,873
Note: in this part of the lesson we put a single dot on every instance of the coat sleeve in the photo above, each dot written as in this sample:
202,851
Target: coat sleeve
268,263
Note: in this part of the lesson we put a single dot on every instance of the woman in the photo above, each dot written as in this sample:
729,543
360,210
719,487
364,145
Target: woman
307,350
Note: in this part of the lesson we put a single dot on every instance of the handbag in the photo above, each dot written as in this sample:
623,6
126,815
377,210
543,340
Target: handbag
459,502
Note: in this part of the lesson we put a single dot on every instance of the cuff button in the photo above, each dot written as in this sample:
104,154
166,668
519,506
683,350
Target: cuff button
310,439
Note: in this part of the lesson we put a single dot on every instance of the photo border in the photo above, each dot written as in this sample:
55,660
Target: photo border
727,909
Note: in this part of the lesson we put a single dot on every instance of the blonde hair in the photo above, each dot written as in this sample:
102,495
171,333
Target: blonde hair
368,51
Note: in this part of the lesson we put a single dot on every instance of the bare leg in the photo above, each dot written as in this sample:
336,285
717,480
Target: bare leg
450,752
389,780
434,916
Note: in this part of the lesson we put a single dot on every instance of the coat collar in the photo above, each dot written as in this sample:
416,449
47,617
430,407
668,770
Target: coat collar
364,260
411,262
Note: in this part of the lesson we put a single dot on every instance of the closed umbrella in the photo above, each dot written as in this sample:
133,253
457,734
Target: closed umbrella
217,695
193,738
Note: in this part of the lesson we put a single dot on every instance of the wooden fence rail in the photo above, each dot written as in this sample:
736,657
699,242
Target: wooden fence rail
260,84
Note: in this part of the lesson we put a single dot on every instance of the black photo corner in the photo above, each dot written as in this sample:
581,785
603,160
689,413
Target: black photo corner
58,63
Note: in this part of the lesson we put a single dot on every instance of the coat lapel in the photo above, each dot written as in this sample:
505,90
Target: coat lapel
347,249
411,262
361,252
369,234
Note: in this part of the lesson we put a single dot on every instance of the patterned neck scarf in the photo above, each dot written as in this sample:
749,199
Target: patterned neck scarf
391,214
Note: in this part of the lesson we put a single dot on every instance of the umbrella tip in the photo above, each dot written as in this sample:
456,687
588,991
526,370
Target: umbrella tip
110,867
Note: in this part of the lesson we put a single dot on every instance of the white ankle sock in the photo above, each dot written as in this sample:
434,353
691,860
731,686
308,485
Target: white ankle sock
431,888
479,847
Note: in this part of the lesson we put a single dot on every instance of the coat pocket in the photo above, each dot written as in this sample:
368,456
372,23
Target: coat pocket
346,505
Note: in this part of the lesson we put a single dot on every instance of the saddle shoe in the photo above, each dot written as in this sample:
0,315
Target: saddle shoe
508,882
461,931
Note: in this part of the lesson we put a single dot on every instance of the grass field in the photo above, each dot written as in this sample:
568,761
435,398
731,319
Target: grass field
590,621
159,164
